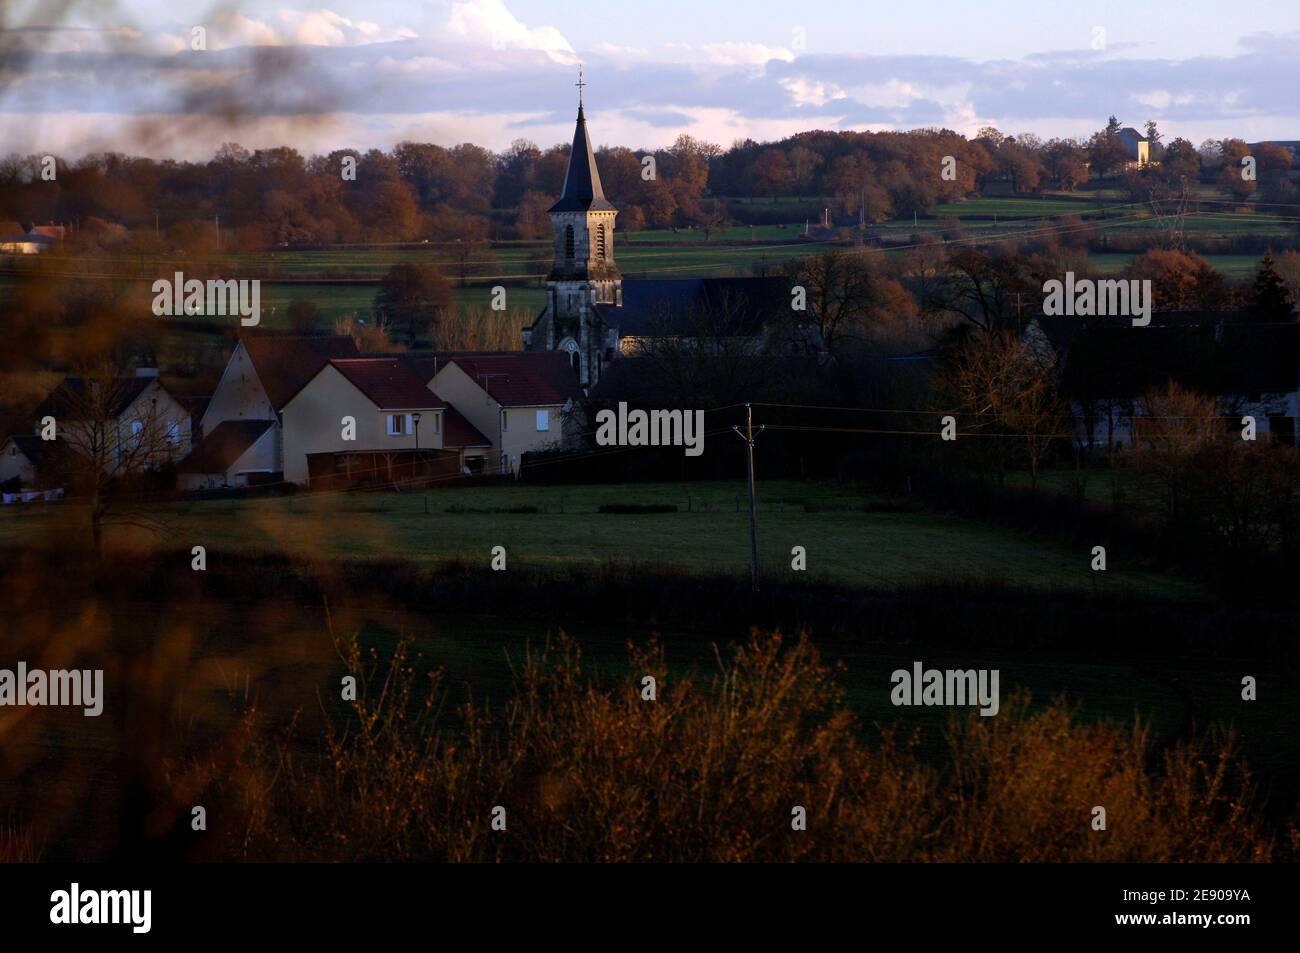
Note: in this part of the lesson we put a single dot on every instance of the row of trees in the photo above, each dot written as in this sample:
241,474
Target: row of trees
417,191
865,295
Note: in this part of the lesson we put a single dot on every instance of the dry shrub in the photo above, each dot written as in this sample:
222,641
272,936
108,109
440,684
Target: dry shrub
1024,785
18,845
589,771
476,328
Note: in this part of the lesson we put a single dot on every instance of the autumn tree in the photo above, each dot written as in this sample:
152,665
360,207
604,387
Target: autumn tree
1106,151
413,298
1066,163
1180,280
1232,177
303,313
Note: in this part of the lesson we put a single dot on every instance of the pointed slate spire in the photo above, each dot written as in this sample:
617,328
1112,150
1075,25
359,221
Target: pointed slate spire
582,190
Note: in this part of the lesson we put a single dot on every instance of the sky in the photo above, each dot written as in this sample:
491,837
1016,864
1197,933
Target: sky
80,76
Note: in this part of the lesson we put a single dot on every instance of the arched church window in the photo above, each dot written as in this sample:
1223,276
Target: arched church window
568,242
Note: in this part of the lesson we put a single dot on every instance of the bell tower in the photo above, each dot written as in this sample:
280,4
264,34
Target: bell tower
584,276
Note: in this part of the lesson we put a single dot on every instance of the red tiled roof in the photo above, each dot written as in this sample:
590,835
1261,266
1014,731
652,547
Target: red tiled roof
389,382
286,362
514,380
459,432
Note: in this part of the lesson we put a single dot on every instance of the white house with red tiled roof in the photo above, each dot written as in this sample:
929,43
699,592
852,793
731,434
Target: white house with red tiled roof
375,420
513,399
240,438
280,412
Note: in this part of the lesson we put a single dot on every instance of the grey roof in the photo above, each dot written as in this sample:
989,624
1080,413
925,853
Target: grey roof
1213,353
32,447
69,400
285,363
582,189
226,444
656,307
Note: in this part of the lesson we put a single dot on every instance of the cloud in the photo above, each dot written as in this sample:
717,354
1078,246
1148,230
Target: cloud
473,66
658,117
327,28
489,23
741,54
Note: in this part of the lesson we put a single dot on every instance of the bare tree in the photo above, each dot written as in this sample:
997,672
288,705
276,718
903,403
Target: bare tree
110,435
710,352
840,288
1006,391
1171,426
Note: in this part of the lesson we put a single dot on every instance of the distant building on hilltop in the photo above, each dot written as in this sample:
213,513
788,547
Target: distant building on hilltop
1137,146
24,238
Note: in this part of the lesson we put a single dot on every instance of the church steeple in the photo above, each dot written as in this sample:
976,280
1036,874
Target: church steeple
582,189
584,285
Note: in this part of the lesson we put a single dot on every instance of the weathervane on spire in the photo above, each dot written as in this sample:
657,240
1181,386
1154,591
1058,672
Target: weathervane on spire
580,84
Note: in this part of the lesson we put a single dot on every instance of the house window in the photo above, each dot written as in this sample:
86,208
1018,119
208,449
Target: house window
437,423
543,420
568,242
505,421
137,432
398,425
173,433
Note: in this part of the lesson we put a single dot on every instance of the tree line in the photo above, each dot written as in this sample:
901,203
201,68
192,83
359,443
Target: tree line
266,198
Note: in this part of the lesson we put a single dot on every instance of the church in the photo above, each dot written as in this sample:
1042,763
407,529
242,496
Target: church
596,316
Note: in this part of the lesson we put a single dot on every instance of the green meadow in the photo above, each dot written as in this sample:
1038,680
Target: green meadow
851,538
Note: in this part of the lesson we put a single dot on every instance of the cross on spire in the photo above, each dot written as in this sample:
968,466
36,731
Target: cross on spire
580,84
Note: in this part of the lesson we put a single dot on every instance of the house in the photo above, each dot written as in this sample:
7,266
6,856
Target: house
127,423
235,453
21,457
17,238
520,402
1106,366
1137,146
250,435
263,373
590,308
375,420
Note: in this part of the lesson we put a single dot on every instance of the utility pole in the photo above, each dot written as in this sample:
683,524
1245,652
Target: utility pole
748,437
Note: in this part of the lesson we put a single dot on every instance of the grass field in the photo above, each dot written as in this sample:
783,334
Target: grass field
845,544
1020,207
